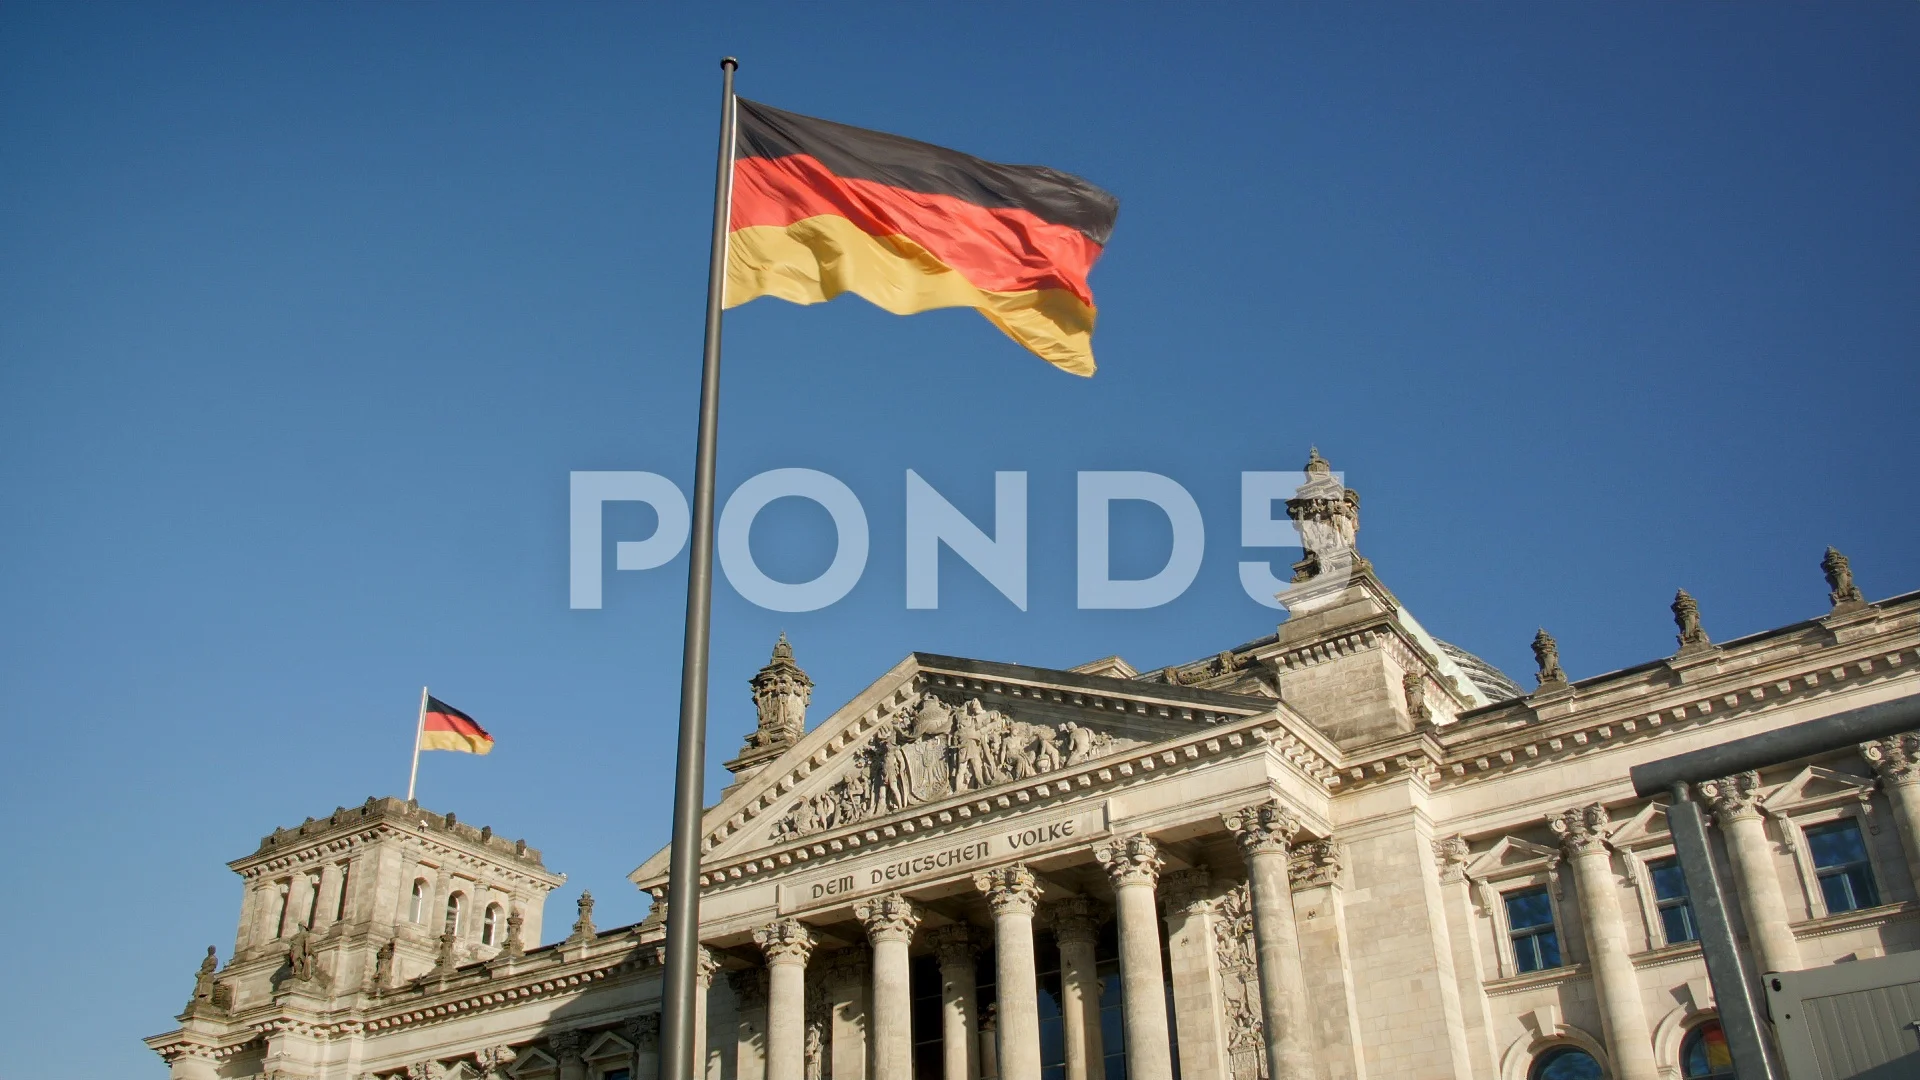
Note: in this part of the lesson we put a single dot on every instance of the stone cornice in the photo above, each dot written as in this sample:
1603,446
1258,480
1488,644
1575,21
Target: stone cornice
1515,736
410,818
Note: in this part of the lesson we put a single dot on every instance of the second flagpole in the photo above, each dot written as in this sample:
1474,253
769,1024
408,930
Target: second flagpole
678,1005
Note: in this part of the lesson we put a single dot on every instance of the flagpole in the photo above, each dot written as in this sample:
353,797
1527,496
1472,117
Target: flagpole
419,725
683,868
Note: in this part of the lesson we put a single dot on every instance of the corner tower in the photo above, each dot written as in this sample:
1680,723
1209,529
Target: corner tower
369,898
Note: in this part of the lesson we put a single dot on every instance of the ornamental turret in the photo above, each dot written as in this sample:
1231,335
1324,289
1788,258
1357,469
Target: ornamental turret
780,695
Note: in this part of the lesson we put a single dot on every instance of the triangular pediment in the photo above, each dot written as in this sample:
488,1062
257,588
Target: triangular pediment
533,1062
1815,786
608,1047
1648,825
936,727
1511,855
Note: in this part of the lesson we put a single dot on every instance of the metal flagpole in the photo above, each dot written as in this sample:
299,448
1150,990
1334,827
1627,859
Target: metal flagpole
419,725
678,1053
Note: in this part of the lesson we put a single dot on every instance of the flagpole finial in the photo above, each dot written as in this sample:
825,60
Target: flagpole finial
729,63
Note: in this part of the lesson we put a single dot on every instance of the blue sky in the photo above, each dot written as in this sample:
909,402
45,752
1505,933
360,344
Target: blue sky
307,312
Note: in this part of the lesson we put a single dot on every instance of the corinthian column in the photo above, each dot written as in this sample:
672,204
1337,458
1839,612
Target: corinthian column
1623,1016
1736,807
1897,760
1076,928
1133,863
1011,892
960,1042
787,944
1264,831
890,921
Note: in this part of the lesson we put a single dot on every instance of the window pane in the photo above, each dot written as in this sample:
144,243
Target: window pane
1705,1053
1837,844
1677,920
1529,909
1668,882
1565,1063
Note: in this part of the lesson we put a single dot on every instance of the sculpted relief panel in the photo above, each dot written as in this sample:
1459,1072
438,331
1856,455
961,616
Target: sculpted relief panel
1240,983
931,749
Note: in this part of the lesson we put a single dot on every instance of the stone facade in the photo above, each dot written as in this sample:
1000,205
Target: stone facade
1344,850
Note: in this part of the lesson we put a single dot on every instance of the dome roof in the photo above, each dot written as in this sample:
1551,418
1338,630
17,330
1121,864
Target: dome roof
1490,680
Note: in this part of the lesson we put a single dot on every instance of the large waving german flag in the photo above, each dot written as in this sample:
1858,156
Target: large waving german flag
821,208
443,727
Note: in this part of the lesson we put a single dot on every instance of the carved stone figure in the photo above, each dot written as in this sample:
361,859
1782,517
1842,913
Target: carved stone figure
203,979
1326,514
300,957
931,749
1686,616
1546,654
583,926
1841,589
1239,984
515,947
383,967
1414,685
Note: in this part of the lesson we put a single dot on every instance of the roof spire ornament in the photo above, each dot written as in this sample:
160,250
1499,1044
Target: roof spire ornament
1326,514
1546,654
1841,589
1686,615
781,692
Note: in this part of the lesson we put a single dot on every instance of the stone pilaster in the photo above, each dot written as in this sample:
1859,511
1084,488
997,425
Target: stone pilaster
954,948
848,980
890,921
1133,864
1011,893
1897,761
1326,958
1076,929
786,943
1450,857
705,968
644,1033
1199,1013
1623,1015
1264,832
1735,801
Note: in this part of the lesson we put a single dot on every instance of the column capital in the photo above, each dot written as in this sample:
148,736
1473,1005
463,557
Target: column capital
749,986
1895,759
953,945
1077,920
1264,829
1450,855
567,1045
785,941
1732,798
1581,830
888,918
1314,863
846,966
705,966
1130,860
643,1031
1010,889
1186,892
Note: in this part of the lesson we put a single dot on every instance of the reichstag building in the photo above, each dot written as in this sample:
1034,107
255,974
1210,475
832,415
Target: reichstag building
1345,850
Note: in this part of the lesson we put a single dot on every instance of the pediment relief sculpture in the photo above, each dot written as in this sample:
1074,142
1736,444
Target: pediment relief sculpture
932,748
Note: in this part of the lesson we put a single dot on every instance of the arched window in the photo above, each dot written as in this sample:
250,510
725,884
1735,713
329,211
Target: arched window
453,913
1704,1053
313,902
417,909
1565,1063
284,892
490,926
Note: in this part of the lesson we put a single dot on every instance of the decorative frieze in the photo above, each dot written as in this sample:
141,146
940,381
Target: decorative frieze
932,749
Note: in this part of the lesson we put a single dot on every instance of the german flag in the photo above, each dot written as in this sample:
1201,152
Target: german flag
443,727
821,208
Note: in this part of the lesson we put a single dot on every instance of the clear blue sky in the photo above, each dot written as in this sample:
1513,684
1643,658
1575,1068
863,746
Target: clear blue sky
307,312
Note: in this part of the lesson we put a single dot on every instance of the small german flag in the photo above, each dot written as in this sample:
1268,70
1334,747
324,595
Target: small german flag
443,727
821,208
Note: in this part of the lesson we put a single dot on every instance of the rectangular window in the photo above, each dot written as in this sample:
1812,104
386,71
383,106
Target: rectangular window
1670,896
1536,946
1840,860
616,1074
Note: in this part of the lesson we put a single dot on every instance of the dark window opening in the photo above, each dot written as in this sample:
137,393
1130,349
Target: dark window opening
1536,946
1840,860
1670,896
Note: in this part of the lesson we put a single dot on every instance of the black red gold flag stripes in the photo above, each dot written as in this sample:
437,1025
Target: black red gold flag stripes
443,727
820,208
